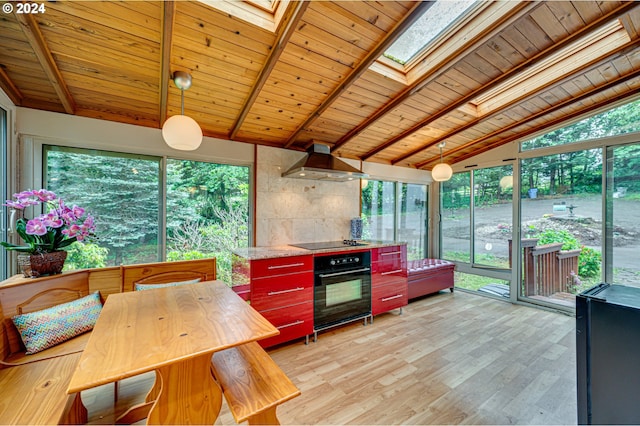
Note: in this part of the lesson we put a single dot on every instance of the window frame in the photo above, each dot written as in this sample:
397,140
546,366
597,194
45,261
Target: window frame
31,151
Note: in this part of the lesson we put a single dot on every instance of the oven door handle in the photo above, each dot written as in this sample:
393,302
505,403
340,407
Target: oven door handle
335,274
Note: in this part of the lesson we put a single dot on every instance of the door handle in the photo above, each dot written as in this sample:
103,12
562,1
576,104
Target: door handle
335,274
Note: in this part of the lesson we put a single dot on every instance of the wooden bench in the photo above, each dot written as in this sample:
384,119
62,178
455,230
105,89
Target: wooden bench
252,383
426,276
34,387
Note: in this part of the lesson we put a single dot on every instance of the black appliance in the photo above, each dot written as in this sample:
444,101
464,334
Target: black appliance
330,244
342,289
608,354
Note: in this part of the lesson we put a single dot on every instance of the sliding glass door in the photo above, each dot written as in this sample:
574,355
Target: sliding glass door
561,225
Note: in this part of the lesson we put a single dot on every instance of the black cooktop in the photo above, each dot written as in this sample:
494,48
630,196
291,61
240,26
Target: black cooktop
330,244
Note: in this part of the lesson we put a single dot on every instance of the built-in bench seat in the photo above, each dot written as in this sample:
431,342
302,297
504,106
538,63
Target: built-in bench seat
34,387
426,276
252,383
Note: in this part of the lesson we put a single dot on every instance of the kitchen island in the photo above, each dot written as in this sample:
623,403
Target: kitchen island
306,290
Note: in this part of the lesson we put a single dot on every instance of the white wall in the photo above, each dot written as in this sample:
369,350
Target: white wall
85,132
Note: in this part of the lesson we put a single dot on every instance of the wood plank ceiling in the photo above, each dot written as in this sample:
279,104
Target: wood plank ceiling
287,73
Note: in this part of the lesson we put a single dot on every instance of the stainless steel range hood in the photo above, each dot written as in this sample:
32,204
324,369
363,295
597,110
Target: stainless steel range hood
321,165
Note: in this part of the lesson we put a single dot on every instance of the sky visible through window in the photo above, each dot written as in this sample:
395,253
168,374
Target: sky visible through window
429,26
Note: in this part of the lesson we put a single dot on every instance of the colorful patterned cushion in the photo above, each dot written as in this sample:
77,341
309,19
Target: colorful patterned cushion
42,329
163,285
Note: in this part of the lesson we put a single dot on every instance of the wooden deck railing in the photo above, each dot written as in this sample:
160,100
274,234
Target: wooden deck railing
546,268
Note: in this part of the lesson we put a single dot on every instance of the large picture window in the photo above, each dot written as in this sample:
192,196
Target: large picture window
204,207
122,193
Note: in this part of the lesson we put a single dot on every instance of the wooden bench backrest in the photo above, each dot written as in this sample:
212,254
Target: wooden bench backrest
34,295
168,272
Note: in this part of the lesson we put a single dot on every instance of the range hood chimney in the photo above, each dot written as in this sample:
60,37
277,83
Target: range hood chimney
321,165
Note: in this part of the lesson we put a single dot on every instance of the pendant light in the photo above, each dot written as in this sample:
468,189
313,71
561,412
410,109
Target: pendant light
442,171
179,131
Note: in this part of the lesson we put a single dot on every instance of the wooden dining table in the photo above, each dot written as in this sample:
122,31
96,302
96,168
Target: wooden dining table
173,331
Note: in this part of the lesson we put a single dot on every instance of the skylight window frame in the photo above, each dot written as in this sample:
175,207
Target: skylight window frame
456,25
252,12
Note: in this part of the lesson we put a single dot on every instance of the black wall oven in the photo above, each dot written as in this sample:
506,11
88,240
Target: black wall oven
342,288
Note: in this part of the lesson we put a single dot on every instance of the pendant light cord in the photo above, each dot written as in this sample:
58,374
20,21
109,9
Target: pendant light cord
182,107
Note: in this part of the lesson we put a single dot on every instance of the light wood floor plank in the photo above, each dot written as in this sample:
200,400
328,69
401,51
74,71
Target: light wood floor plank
449,359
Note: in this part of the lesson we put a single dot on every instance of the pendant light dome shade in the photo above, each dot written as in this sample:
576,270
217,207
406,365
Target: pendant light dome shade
179,131
182,132
441,172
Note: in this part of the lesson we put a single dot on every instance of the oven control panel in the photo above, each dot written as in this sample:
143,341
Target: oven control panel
344,260
339,262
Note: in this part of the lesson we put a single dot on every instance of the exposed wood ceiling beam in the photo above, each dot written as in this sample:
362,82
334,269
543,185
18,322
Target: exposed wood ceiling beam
623,50
418,9
563,104
516,13
540,56
39,45
168,19
289,23
10,88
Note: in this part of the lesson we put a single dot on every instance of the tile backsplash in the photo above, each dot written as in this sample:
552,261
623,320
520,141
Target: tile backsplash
290,210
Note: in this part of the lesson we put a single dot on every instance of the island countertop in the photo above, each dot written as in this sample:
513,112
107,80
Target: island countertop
270,252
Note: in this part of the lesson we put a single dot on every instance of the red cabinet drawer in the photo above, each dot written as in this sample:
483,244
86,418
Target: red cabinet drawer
292,321
281,266
275,292
383,253
384,276
387,297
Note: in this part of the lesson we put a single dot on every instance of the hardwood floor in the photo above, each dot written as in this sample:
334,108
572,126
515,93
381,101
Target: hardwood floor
449,359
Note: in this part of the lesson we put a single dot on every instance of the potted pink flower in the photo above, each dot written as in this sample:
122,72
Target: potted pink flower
46,236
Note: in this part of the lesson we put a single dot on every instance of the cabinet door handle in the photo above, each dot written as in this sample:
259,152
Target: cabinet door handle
290,265
386,299
390,253
274,293
290,324
391,272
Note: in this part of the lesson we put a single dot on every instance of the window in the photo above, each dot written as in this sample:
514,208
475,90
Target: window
617,121
207,211
413,220
379,210
396,211
426,29
206,204
476,228
122,193
456,218
561,225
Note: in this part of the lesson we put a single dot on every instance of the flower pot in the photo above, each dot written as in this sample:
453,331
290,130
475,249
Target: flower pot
37,265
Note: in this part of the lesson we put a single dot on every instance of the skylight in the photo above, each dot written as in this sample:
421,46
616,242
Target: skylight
427,28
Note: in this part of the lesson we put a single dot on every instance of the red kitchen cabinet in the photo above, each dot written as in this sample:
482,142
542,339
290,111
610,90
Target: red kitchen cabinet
388,278
281,289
